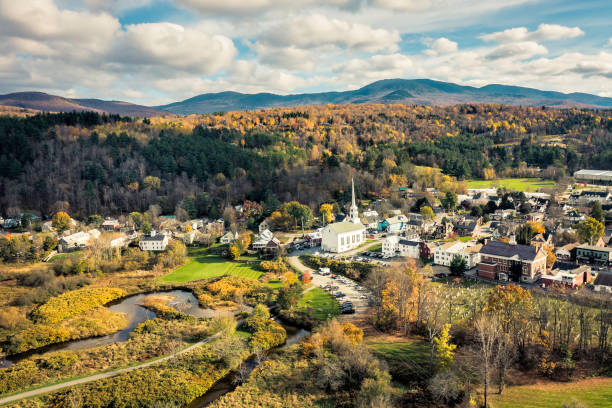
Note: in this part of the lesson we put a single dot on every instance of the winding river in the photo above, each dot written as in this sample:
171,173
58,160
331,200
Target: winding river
185,302
182,300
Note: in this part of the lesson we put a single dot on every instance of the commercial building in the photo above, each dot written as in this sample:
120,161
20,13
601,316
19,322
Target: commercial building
508,262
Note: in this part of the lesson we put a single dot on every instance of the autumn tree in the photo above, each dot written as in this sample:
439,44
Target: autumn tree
444,350
60,221
487,330
427,213
327,212
590,230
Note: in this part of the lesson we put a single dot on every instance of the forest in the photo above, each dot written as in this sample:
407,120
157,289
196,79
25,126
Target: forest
89,163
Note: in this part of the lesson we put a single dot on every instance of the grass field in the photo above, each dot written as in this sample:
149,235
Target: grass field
203,266
517,184
592,393
323,303
407,360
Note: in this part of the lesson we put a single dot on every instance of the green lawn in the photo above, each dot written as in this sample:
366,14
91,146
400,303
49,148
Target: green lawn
592,393
407,360
204,265
323,304
517,184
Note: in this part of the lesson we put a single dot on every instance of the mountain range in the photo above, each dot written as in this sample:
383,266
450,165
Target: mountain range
404,91
52,103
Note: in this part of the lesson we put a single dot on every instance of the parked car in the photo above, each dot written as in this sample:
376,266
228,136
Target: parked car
338,294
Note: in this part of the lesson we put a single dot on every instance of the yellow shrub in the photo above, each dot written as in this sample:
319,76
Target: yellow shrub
75,302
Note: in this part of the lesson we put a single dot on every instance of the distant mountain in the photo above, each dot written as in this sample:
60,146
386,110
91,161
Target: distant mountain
406,91
51,103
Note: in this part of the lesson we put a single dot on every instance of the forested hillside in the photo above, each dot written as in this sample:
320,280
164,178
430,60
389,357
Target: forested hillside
93,163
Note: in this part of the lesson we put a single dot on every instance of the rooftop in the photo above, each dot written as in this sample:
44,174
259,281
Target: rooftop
345,226
499,248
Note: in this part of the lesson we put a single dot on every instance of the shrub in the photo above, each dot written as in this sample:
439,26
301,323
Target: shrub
230,287
11,318
74,302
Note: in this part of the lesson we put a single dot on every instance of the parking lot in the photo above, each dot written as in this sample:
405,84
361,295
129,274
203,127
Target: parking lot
352,291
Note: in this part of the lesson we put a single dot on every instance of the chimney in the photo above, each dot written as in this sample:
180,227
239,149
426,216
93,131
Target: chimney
152,232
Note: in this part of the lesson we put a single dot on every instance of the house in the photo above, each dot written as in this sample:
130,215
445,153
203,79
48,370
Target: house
314,238
409,248
468,227
154,242
573,217
11,222
393,224
517,263
603,282
342,236
262,240
110,224
119,242
501,215
76,241
543,241
426,249
444,254
390,245
228,237
370,222
570,275
534,217
47,226
591,254
566,253
585,197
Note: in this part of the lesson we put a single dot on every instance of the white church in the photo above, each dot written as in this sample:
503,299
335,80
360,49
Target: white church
344,236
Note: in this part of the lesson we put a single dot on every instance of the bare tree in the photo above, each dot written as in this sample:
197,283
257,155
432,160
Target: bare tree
487,332
505,355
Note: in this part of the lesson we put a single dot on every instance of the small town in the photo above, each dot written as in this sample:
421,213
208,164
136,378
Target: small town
305,204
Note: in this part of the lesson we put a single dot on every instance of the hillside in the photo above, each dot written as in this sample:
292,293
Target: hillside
410,92
52,103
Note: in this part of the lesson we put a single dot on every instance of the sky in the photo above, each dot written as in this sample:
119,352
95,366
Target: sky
154,52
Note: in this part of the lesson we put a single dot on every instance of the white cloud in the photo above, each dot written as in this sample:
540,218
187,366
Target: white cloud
520,50
441,46
545,32
610,42
362,71
252,6
167,44
404,5
41,20
317,30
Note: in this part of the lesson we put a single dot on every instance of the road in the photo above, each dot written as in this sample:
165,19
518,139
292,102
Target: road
95,377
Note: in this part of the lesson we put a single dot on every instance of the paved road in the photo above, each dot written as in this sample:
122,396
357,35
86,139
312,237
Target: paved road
95,377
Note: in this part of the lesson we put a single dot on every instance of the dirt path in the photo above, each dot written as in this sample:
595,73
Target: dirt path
95,377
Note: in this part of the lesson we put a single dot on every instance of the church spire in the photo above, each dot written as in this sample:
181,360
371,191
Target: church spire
354,211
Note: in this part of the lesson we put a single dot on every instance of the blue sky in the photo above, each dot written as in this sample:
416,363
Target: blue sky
158,51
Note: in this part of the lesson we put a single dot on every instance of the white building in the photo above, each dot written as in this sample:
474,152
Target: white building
342,236
444,254
346,235
409,248
73,242
154,242
390,245
228,237
264,239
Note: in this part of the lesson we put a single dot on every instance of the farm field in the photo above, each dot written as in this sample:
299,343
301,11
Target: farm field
203,266
592,393
517,184
323,303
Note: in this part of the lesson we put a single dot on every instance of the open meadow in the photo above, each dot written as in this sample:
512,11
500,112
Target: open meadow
591,393
202,265
516,184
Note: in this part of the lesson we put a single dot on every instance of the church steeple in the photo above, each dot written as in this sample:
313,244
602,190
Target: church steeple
354,211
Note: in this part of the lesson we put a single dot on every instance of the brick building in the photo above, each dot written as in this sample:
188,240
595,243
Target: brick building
507,262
